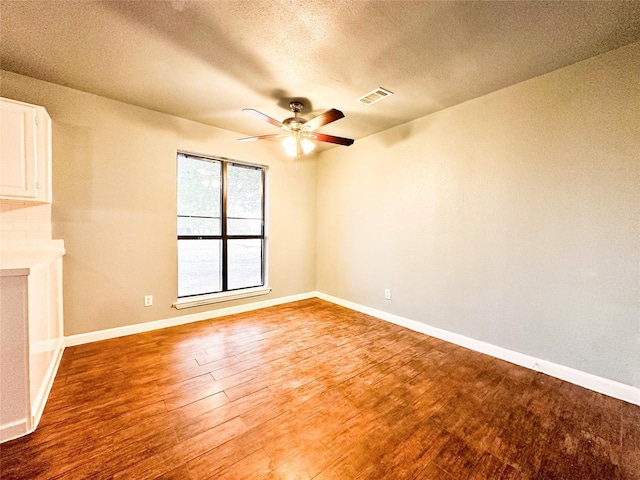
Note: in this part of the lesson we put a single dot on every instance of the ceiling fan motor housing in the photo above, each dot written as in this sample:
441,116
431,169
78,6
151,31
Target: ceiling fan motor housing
296,122
296,107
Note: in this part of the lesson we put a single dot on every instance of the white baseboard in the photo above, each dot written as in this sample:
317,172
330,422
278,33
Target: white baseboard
592,382
598,384
96,336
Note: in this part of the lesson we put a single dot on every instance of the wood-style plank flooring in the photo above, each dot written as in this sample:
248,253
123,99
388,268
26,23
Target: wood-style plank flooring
312,390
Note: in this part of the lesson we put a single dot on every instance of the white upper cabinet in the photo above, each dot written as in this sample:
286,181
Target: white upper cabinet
25,152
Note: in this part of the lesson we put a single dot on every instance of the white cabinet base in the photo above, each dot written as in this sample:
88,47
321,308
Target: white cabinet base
31,333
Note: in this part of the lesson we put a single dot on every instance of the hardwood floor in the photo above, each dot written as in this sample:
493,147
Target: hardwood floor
312,390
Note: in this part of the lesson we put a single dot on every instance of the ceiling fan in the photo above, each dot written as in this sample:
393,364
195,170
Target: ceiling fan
300,133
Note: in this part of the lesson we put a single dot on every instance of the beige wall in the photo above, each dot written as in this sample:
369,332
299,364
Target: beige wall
513,218
114,190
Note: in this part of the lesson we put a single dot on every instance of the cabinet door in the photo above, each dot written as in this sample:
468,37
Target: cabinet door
18,174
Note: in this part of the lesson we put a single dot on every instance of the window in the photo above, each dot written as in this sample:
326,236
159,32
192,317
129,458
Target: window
221,228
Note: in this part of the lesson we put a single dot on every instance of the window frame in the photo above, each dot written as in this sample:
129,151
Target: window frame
226,294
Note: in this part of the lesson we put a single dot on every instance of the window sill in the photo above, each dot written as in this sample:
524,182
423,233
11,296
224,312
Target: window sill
220,297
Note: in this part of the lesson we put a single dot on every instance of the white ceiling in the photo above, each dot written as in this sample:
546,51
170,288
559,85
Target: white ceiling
206,60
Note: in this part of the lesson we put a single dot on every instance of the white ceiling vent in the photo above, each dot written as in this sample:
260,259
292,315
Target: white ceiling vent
374,96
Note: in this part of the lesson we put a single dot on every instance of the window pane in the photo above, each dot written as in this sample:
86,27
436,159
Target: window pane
199,267
244,200
198,226
198,196
244,226
245,263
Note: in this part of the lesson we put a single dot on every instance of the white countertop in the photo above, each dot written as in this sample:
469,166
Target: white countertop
19,258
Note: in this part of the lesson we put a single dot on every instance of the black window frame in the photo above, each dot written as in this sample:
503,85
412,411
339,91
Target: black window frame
224,236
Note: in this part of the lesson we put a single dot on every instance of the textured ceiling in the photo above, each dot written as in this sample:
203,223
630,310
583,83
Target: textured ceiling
206,60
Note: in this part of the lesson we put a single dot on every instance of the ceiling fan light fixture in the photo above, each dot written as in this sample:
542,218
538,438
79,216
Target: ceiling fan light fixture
307,145
290,146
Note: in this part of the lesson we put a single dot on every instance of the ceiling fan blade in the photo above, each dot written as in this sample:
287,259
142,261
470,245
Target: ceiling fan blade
323,119
275,137
323,137
266,118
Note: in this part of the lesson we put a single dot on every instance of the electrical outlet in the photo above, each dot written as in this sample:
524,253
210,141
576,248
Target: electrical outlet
387,293
148,300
